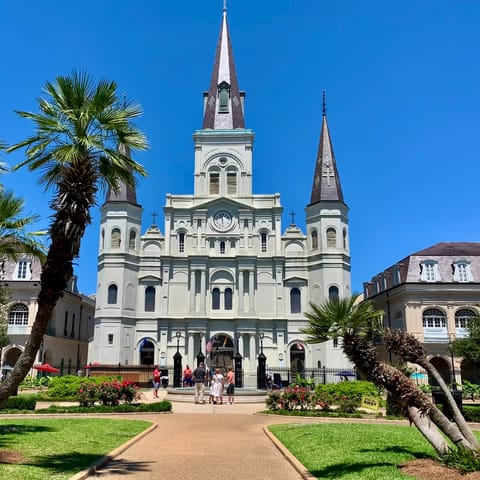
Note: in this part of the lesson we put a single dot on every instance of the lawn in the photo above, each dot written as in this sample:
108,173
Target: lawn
353,451
59,448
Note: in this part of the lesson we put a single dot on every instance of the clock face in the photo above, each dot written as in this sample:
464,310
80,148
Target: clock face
222,220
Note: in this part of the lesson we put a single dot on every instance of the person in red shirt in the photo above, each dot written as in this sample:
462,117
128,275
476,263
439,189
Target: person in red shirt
156,382
187,377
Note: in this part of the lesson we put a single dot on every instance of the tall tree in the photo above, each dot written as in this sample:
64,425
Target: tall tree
356,322
78,130
469,347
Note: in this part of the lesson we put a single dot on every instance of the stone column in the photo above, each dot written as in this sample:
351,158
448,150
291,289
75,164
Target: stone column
250,290
192,290
203,297
240,291
191,353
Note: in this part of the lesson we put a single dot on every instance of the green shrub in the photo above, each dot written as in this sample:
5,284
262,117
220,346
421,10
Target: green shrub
333,392
20,402
471,413
164,406
67,387
462,459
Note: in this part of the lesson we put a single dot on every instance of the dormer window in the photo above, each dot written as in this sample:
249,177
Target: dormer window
223,97
429,271
462,272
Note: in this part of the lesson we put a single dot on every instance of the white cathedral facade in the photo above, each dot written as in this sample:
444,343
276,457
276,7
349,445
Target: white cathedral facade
222,277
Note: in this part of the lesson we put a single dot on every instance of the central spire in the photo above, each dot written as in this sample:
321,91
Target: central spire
224,101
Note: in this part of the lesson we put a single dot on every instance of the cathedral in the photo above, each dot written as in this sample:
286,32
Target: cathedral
222,277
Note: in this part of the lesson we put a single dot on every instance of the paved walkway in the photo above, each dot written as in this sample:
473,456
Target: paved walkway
202,442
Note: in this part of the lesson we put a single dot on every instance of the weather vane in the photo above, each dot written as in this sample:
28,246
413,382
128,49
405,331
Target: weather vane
324,103
224,5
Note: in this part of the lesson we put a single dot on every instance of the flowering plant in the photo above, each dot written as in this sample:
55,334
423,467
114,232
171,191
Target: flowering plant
88,394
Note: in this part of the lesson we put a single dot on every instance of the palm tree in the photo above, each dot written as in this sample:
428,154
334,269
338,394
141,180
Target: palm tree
75,146
356,322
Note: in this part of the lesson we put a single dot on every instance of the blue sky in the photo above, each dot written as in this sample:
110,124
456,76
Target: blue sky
402,82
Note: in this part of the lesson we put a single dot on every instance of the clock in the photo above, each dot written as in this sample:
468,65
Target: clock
222,220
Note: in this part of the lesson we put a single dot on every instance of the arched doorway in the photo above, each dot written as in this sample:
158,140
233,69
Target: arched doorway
11,357
470,372
297,358
147,352
444,369
220,351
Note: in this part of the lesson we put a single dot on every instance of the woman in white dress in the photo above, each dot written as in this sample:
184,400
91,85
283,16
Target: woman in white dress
216,387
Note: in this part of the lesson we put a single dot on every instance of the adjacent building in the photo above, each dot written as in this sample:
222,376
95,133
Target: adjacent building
222,276
65,344
432,294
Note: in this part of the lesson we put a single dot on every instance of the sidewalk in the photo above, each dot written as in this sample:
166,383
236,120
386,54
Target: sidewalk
202,442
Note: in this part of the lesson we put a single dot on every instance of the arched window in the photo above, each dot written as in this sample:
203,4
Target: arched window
228,298
112,294
132,240
116,238
231,182
263,237
181,242
150,299
331,238
333,293
222,248
463,316
214,183
103,238
314,237
18,315
432,317
215,299
295,301
345,238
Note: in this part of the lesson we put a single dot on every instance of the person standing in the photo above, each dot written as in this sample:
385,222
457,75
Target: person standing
216,388
187,377
199,378
230,384
156,382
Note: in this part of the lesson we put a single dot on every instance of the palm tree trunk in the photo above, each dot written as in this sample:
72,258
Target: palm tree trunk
432,435
411,350
76,194
403,389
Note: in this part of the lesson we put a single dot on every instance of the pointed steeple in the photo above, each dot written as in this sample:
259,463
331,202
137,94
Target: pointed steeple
326,181
224,101
125,193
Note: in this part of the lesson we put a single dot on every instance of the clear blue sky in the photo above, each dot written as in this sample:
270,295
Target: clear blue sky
402,82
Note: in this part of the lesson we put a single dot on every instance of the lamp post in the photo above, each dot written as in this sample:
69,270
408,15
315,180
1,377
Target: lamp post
238,365
200,355
454,379
261,369
177,363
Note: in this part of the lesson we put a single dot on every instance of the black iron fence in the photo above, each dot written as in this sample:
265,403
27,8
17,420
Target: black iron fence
281,377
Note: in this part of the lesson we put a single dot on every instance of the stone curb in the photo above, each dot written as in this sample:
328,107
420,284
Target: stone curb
109,457
288,456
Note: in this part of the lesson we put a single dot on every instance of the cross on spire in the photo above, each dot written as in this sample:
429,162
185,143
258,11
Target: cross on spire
292,214
324,103
154,218
224,5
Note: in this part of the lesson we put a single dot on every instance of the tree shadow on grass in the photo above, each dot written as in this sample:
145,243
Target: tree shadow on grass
397,449
75,462
338,470
18,429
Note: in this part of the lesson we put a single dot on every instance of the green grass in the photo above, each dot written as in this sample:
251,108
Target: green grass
59,448
353,451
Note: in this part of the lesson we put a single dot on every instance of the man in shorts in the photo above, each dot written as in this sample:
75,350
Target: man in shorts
156,382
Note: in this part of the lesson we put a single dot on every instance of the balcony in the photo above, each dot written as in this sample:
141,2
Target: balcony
18,329
436,335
